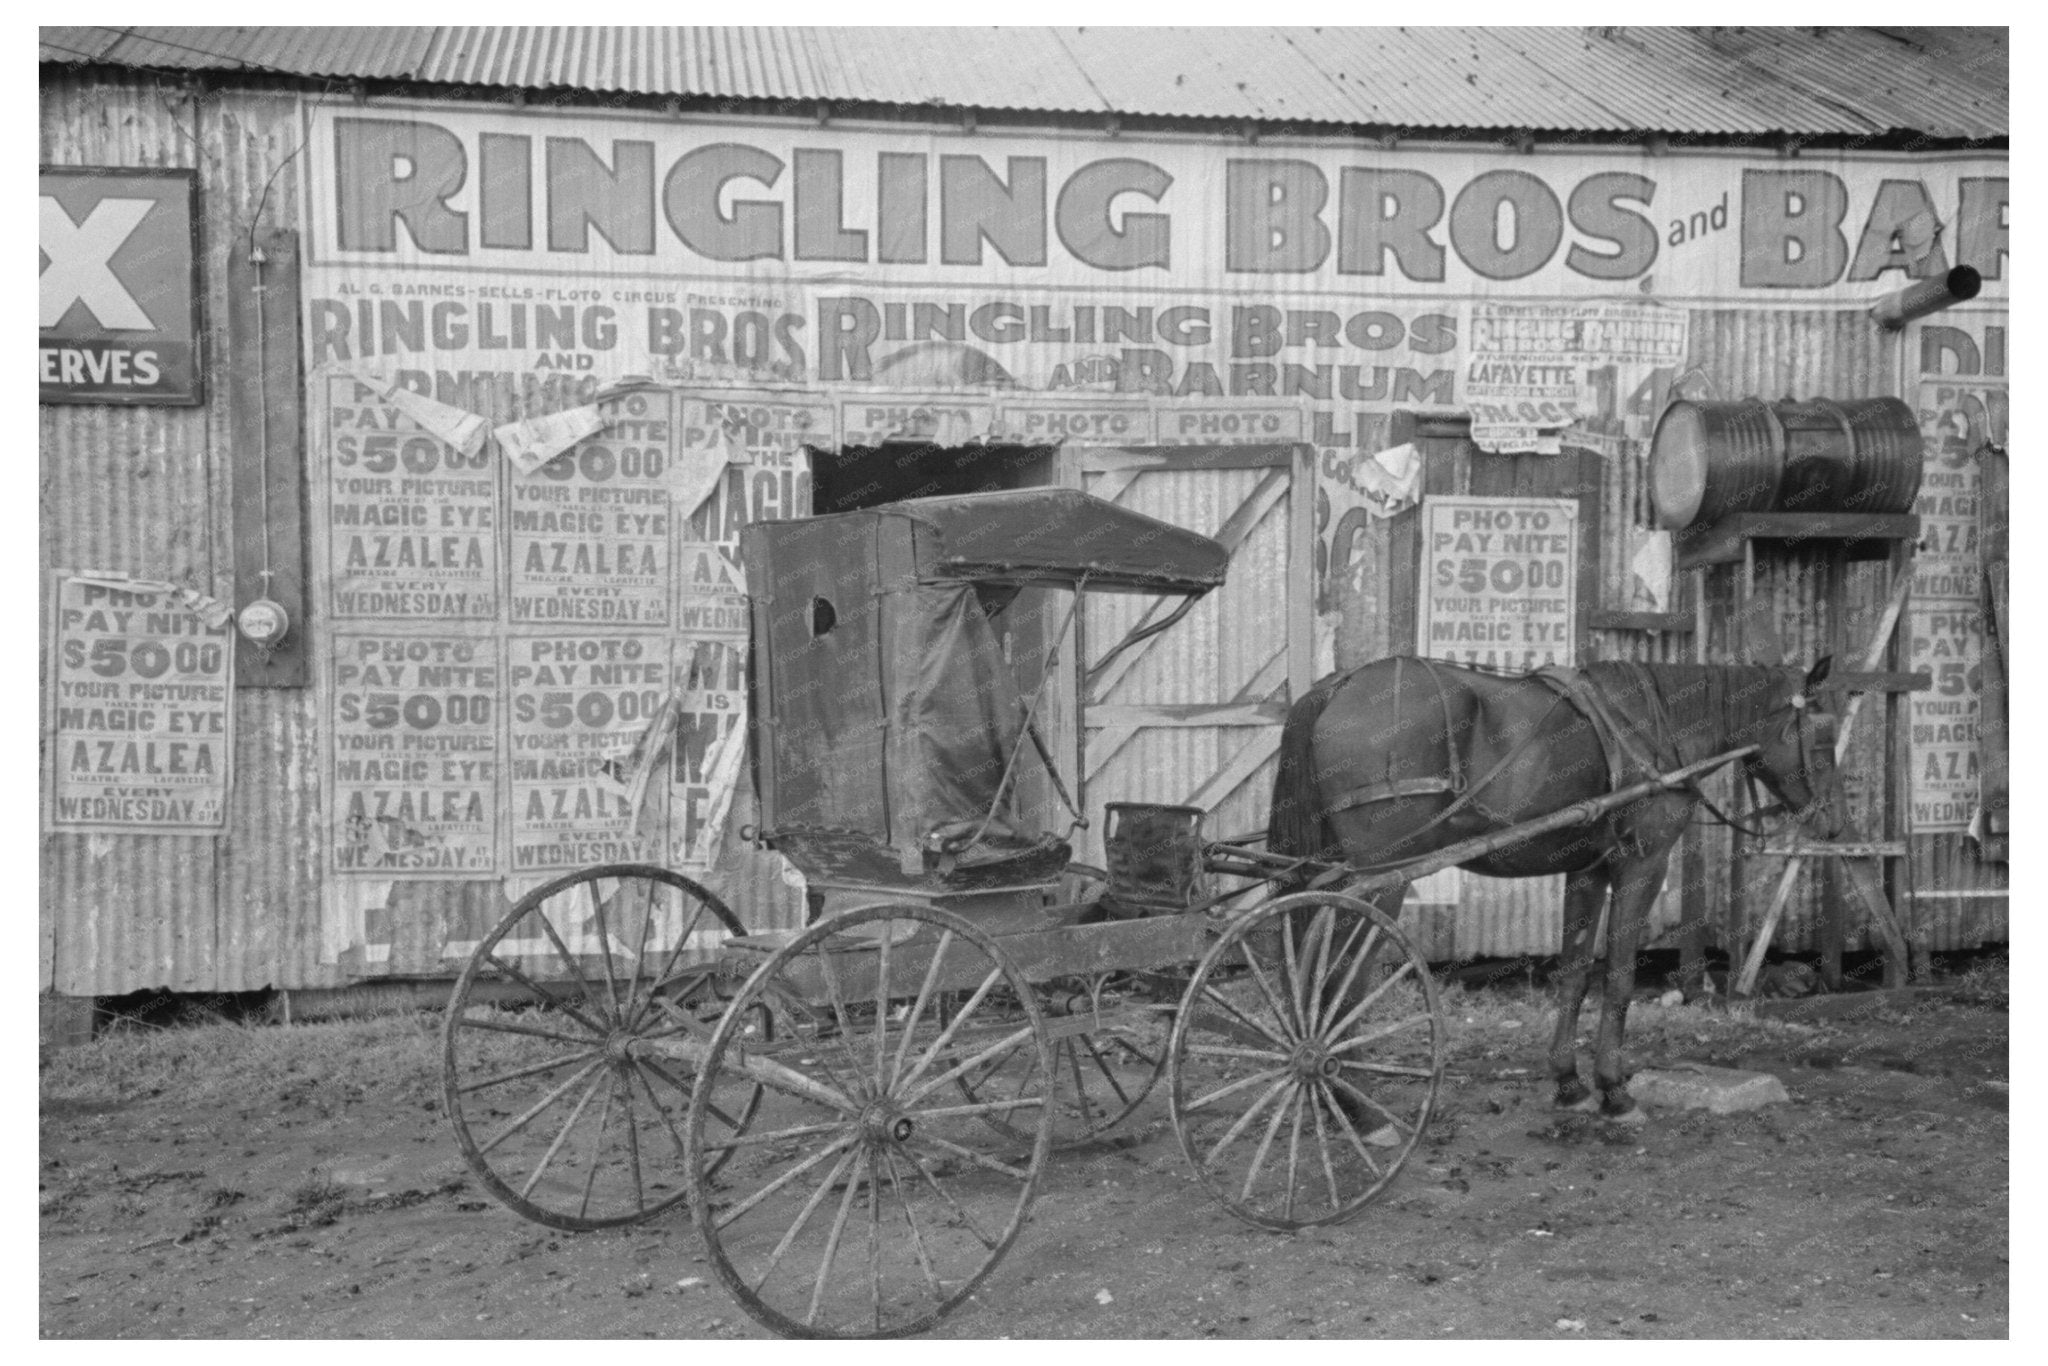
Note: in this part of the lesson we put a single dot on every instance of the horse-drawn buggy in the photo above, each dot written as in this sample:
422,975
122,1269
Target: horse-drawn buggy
858,1113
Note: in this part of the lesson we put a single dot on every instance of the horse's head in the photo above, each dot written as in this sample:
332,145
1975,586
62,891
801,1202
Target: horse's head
1797,761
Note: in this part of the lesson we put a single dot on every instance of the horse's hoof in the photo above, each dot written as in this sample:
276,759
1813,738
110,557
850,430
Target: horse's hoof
1584,1105
1631,1118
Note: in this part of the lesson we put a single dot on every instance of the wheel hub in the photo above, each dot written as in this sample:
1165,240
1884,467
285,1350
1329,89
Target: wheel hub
882,1124
1312,1060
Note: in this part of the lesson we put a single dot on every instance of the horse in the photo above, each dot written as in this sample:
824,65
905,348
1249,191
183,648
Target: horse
1403,757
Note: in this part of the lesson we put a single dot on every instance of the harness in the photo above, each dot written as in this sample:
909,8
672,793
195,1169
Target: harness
1630,756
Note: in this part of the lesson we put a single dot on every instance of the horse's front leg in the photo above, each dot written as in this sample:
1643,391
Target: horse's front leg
1636,881
1582,895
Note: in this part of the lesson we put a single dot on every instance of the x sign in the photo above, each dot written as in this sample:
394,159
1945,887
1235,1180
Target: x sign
118,311
80,257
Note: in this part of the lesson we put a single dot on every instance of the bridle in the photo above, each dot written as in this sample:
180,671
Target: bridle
1807,741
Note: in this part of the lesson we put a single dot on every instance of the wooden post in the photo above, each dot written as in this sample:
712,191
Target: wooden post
1876,653
1692,893
1833,583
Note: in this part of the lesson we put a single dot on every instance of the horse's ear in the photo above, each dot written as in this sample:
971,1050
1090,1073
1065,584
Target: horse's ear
1818,674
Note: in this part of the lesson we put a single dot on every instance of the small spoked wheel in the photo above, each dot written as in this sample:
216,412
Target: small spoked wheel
1304,1063
563,1102
1108,1051
870,1197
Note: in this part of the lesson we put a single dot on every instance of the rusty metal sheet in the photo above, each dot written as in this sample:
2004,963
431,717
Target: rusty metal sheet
1815,82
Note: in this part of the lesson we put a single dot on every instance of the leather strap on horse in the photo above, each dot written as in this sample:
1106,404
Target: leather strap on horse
1627,758
1415,787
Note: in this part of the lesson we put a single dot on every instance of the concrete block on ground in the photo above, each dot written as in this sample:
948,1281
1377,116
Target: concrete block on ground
1695,1086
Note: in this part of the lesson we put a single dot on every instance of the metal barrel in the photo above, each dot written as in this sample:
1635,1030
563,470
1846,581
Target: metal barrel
1708,460
1890,455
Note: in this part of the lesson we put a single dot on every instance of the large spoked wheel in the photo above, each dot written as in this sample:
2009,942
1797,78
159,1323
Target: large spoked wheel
1305,1061
869,1197
561,1109
1108,1051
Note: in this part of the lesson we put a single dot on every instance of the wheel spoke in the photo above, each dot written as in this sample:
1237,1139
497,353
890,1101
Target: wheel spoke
924,992
1323,1149
604,944
1401,1126
1311,991
537,989
527,1116
1244,1119
978,1159
1357,1012
1103,1067
682,1148
1352,969
1216,997
530,1031
966,1219
881,1040
1293,1153
1344,1122
533,1179
749,1140
604,1119
844,1036
832,1241
1008,1041
1224,1050
875,1214
1390,1069
522,1072
1291,960
675,950
803,1216
844,1141
1080,1087
908,1079
547,926
924,1259
986,1107
1251,1175
632,1122
635,1005
1385,1030
1266,990
1232,1088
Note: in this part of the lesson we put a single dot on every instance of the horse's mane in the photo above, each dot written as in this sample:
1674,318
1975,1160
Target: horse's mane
1688,711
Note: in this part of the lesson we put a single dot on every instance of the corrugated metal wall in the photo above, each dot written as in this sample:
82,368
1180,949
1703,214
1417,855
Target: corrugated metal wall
1734,352
1839,354
147,492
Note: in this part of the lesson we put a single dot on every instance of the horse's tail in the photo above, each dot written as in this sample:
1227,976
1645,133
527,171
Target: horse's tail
1294,825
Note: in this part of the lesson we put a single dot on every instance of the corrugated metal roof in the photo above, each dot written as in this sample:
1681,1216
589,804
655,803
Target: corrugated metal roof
1721,81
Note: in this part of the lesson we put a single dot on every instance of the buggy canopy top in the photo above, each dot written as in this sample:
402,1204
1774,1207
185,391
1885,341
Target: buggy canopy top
883,700
1051,536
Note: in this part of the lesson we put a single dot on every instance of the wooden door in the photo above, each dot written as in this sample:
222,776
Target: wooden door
1192,716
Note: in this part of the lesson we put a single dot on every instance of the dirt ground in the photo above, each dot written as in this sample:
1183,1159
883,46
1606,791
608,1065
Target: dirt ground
290,1202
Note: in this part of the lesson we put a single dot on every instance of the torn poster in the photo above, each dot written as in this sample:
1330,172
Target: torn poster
1532,370
532,442
1650,564
141,707
458,427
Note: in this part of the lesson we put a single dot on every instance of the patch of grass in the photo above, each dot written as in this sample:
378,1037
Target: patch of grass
329,1064
315,1203
1988,981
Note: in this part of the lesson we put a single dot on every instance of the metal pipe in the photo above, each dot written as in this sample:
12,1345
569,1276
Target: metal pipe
1900,307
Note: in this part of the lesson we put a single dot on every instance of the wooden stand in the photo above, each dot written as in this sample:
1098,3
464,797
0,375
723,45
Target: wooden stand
1878,870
